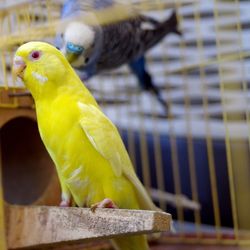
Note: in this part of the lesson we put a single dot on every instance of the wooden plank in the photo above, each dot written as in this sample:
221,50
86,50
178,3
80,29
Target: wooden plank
45,225
29,226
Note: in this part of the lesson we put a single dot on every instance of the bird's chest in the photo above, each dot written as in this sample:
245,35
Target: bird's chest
57,127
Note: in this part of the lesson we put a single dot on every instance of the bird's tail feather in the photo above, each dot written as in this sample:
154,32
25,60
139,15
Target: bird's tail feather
164,28
162,102
138,242
172,22
148,84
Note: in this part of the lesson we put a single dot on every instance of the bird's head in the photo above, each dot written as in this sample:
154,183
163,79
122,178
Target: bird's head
40,66
78,39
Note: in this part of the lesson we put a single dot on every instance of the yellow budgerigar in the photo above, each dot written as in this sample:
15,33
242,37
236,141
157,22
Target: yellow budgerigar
92,163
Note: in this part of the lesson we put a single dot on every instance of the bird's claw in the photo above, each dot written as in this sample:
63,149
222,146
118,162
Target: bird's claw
106,203
64,203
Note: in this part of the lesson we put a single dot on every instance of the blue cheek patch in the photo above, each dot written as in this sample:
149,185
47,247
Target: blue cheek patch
74,48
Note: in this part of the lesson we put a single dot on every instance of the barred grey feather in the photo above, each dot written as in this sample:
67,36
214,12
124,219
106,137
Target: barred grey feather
126,40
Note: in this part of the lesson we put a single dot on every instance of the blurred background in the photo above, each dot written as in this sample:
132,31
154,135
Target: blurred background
194,159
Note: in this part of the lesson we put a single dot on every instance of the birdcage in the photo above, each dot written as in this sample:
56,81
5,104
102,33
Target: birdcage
194,161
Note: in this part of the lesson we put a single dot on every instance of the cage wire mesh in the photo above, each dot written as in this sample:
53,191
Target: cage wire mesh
195,161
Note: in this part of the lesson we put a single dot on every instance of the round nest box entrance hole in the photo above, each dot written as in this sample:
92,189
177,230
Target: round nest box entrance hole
26,166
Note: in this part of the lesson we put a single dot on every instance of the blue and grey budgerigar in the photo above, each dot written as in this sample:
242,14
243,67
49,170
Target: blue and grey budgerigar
92,49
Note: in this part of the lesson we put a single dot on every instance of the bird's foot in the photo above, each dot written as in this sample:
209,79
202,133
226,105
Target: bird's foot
106,203
65,203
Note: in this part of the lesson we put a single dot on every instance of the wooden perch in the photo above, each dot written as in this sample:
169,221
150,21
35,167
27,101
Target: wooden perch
30,226
179,200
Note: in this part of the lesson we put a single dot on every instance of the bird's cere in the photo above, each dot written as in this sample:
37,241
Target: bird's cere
74,48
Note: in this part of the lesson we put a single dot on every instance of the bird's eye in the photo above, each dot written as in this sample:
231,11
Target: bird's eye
35,55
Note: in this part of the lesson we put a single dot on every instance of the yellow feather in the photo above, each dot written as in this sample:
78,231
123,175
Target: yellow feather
91,160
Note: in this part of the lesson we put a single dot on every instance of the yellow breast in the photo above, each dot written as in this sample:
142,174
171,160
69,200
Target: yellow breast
81,166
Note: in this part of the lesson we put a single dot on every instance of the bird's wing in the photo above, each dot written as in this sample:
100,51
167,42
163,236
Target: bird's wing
78,7
122,41
105,138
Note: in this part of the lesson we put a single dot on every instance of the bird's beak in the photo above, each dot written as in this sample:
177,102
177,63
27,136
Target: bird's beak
71,57
18,67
